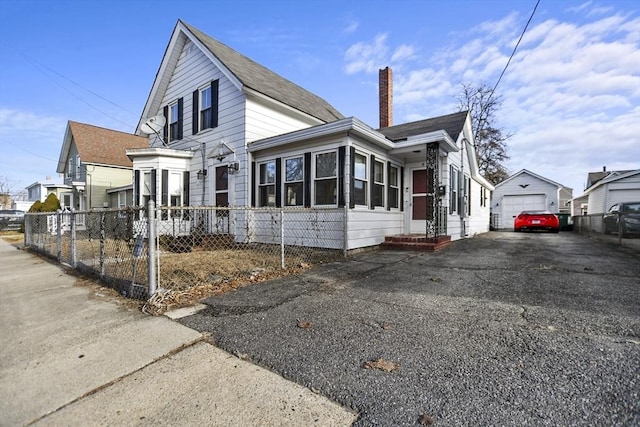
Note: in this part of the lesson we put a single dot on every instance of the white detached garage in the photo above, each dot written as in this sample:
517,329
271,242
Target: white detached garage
523,191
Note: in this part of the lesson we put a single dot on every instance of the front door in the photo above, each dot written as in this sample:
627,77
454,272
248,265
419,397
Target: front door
420,210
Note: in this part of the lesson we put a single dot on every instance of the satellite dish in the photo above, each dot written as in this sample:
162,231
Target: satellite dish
153,125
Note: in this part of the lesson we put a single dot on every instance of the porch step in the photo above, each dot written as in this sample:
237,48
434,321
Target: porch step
415,242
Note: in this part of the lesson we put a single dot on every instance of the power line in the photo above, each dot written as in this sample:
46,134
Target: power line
82,87
514,49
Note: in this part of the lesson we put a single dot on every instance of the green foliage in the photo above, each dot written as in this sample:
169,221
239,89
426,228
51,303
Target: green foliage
36,207
51,204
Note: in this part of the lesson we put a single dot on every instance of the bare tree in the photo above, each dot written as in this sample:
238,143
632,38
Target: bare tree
490,141
7,192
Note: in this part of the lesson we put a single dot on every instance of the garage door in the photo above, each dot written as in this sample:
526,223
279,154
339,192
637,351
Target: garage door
513,205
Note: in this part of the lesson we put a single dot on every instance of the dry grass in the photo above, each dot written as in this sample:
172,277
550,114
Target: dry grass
13,237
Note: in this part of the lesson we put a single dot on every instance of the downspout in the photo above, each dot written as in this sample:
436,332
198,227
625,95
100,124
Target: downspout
461,185
204,178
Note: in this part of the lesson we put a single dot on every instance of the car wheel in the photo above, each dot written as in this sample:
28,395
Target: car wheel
606,229
517,230
555,230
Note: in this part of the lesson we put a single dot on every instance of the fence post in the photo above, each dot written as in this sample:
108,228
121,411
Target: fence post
59,235
345,237
151,247
282,239
102,243
73,237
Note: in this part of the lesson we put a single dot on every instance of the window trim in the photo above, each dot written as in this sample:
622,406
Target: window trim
364,180
379,184
201,110
315,179
261,185
396,187
453,189
285,182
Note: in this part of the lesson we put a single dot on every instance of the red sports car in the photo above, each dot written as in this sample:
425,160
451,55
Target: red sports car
536,220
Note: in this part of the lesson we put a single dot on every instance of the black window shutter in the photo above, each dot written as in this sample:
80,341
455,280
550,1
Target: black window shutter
306,184
195,112
372,184
185,184
214,103
352,172
165,130
136,187
252,190
154,186
341,187
278,182
401,189
387,183
164,187
180,106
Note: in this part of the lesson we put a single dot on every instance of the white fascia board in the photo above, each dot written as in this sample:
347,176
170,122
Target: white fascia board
440,136
350,124
64,151
133,153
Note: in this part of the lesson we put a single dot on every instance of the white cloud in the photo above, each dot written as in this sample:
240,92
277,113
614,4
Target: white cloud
367,57
351,27
570,96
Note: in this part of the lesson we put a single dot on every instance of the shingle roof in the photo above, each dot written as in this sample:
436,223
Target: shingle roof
451,123
265,81
104,146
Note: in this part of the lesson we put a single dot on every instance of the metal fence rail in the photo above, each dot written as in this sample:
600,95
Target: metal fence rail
177,249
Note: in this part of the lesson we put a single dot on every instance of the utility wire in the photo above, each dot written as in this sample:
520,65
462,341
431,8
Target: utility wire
514,50
82,87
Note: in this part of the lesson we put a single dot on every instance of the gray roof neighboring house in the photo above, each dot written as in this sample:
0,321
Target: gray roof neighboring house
265,81
450,123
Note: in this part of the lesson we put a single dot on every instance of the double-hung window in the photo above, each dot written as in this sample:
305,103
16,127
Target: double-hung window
326,179
293,181
378,183
394,187
173,122
206,110
453,189
360,179
267,185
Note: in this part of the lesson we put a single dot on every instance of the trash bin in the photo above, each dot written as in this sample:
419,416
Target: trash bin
565,219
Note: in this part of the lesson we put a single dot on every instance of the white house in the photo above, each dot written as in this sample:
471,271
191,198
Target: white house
237,134
614,187
527,191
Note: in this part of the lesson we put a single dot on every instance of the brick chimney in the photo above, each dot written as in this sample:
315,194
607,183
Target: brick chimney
386,97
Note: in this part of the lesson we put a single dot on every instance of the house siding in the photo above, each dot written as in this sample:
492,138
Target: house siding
102,178
600,199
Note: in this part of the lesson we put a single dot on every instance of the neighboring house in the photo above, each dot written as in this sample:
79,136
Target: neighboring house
527,191
614,187
93,160
38,191
237,134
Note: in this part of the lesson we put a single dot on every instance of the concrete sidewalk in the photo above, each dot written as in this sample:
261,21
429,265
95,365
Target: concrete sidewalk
70,356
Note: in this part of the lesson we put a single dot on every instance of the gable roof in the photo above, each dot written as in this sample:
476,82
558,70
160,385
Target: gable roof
98,145
528,172
450,123
262,80
245,73
594,177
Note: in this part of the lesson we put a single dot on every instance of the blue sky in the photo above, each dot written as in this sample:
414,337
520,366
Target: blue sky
571,95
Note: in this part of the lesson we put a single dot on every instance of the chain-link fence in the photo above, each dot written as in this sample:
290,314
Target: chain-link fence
102,243
208,249
587,224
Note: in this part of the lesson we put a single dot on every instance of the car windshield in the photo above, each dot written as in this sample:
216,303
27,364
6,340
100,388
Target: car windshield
631,208
536,213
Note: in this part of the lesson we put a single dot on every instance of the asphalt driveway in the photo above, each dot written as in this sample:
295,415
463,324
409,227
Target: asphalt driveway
501,329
